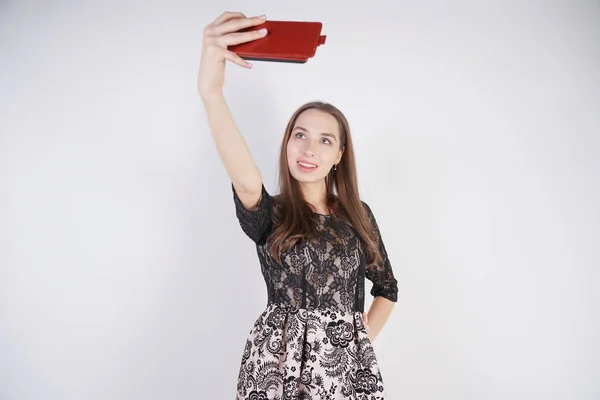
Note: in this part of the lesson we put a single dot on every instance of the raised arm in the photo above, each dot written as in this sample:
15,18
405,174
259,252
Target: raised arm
231,146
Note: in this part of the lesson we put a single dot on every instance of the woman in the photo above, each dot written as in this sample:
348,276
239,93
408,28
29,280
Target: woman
316,242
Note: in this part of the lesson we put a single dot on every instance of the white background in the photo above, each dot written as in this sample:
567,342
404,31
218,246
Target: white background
124,273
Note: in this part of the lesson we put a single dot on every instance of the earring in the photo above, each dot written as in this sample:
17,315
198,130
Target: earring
335,167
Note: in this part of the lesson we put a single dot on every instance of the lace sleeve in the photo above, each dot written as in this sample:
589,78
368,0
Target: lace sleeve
256,223
382,275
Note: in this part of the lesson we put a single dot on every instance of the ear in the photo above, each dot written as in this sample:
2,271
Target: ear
341,154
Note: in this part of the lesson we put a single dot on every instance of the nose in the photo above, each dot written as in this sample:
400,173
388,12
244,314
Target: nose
309,148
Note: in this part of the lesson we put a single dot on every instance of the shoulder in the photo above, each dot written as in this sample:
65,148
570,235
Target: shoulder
367,208
370,214
277,200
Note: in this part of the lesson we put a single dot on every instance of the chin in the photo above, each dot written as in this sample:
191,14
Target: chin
308,180
301,177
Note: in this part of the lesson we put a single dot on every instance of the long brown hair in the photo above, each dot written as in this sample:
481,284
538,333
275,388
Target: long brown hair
294,220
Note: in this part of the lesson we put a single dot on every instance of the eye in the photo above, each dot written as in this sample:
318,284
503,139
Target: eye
299,135
325,140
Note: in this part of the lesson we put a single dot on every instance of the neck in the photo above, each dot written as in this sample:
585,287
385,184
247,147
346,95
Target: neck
315,194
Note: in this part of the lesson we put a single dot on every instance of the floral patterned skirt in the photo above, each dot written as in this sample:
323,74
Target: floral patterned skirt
304,354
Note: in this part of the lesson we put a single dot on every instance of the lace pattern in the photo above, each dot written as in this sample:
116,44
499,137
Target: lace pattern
310,342
323,273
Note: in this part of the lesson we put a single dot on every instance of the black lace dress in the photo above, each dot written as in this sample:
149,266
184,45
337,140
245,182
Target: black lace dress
310,342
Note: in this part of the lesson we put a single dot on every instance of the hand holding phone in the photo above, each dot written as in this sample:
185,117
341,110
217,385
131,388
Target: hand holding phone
220,34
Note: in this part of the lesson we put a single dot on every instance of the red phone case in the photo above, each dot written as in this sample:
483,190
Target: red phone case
286,41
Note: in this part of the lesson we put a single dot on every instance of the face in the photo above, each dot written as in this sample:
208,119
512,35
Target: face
314,146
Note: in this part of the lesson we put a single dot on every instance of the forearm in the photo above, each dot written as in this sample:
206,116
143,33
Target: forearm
231,146
379,312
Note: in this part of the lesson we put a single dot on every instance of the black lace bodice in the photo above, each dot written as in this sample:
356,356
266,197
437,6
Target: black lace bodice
325,273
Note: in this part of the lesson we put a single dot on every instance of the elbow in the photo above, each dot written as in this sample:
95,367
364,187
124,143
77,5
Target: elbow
389,291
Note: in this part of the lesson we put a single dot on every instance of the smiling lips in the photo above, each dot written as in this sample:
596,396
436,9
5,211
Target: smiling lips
306,167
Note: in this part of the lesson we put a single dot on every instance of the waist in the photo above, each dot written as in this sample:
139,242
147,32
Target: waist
293,308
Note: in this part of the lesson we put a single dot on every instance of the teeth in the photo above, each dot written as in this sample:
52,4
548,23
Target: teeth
307,165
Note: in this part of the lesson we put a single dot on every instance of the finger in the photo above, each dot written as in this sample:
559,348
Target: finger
238,24
241,37
234,58
226,16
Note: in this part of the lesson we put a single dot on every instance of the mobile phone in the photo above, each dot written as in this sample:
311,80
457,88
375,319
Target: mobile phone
286,41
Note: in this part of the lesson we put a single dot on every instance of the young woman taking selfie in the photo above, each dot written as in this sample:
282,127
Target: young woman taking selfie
316,241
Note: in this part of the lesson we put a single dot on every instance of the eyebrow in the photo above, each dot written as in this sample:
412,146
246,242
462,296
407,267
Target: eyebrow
331,135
